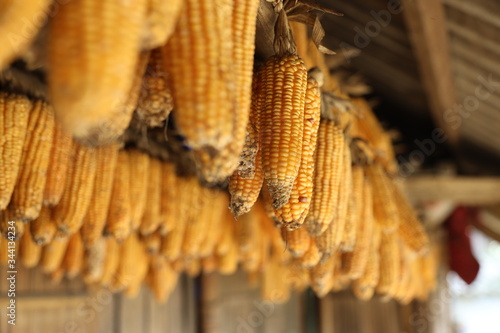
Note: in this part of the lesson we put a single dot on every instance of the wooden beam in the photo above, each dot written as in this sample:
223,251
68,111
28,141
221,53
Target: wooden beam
427,29
473,191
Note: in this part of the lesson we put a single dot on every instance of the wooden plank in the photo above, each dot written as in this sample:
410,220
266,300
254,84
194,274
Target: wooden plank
426,24
465,190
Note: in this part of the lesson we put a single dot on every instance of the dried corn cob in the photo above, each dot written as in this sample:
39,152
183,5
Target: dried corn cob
161,18
53,255
162,278
5,246
93,261
390,256
139,175
168,194
151,218
410,229
327,175
152,242
217,217
228,262
244,191
20,21
192,266
354,210
14,113
247,232
385,209
284,85
297,241
132,254
322,275
209,264
73,259
118,222
44,228
155,100
204,95
92,64
59,162
312,255
95,218
111,261
71,210
140,273
196,223
30,252
356,260
275,287
226,238
28,194
293,213
11,227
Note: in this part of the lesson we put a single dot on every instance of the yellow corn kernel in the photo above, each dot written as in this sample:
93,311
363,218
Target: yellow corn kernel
410,229
204,94
53,255
162,278
95,218
151,218
93,261
168,194
92,64
284,85
111,261
28,194
71,210
29,251
20,22
59,162
356,260
294,212
385,209
245,191
354,210
73,259
44,228
14,114
155,99
327,175
161,17
119,219
139,175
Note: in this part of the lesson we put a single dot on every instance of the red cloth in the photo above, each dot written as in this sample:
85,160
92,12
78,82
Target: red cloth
461,258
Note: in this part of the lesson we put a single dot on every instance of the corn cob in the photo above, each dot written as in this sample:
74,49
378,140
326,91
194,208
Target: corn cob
59,162
53,255
130,255
93,261
217,217
71,210
73,259
155,99
28,194
92,64
228,262
284,81
111,261
162,278
95,218
152,242
29,250
14,113
327,176
297,241
312,256
322,275
5,246
247,232
140,274
293,213
139,175
385,209
56,276
20,22
209,264
227,237
118,222
196,224
244,191
168,194
192,266
354,210
356,260
410,229
161,18
151,218
390,256
275,287
44,228
204,95
11,227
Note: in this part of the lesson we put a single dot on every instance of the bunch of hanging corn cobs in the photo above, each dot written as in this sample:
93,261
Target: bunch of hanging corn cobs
311,195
